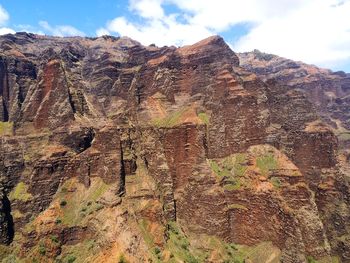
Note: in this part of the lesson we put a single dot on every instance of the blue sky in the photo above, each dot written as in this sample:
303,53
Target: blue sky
86,15
313,31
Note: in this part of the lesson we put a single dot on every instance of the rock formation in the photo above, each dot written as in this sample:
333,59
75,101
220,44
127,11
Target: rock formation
116,152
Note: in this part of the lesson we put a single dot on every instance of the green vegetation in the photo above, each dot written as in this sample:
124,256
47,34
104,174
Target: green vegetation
237,206
232,185
266,163
239,164
122,259
96,191
10,258
259,253
157,250
4,251
204,117
230,169
310,259
42,249
216,168
80,203
16,214
329,260
171,120
63,203
10,254
6,128
81,252
20,192
147,237
231,165
179,245
342,133
71,258
344,136
54,239
276,182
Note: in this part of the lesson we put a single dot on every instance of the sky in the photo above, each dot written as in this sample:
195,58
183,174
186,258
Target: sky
313,31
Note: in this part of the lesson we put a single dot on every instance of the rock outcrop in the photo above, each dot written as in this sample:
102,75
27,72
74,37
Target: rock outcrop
113,151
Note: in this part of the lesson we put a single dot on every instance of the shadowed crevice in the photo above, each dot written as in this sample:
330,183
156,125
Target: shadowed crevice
7,226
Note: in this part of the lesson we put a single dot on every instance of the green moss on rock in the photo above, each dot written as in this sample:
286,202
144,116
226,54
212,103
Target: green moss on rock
20,192
6,128
266,163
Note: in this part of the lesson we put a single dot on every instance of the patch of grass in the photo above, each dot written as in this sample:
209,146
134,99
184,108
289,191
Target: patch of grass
230,169
215,167
232,165
204,118
54,239
20,192
310,259
329,260
224,252
10,258
237,206
266,163
232,185
148,238
95,192
81,252
221,251
4,251
276,182
6,128
42,249
16,214
75,210
239,164
179,245
171,120
70,258
344,136
122,259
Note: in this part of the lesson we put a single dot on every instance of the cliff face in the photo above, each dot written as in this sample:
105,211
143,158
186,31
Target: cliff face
112,151
328,91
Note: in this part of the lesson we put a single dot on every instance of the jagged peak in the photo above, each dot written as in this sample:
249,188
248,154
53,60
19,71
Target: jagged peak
213,44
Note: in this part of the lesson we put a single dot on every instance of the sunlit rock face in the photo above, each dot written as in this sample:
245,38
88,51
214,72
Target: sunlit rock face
113,151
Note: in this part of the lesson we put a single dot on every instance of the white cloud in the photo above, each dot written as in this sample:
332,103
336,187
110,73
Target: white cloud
102,31
166,31
4,17
29,29
221,14
6,30
60,30
147,8
318,33
314,31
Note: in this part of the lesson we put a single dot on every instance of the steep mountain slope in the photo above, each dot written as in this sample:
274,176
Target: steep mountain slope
112,151
328,91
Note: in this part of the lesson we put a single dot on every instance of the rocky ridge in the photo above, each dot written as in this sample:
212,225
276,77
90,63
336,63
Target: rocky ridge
113,151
